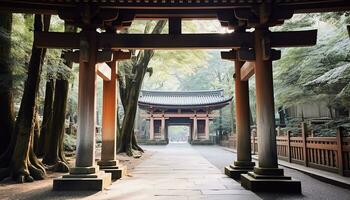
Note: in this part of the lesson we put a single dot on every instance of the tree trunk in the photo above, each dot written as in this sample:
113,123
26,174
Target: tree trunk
7,118
128,142
54,154
25,166
129,94
47,119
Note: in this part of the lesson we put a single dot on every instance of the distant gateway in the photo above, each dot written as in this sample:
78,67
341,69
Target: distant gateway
189,108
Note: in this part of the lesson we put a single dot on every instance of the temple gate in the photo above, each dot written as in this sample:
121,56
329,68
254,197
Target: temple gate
192,108
252,51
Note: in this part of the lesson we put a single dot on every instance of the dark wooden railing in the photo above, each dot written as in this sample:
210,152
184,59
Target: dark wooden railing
326,153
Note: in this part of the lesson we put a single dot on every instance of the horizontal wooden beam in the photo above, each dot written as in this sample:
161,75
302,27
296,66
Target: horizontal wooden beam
57,40
247,70
102,56
293,38
104,71
121,55
146,41
229,55
181,41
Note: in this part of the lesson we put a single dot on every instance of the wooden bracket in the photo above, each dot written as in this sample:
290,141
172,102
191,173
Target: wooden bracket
121,55
89,15
245,54
175,26
266,15
229,55
102,56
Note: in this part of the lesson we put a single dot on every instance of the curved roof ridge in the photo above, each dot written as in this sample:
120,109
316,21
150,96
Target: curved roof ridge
215,92
183,99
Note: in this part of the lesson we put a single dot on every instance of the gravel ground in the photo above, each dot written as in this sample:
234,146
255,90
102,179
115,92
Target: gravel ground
311,188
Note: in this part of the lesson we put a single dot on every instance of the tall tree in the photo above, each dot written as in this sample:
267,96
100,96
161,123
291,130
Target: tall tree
47,118
129,85
24,165
7,118
54,154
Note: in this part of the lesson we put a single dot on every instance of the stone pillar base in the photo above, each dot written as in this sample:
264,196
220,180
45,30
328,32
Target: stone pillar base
239,167
112,167
83,178
271,181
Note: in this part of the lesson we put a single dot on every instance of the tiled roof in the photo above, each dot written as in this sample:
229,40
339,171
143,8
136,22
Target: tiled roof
183,98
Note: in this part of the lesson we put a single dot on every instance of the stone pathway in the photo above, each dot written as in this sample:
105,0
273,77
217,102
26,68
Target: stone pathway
176,171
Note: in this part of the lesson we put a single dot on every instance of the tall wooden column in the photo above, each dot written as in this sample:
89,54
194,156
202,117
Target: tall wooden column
85,175
87,102
244,163
108,161
267,176
265,106
207,128
162,128
151,128
195,129
109,119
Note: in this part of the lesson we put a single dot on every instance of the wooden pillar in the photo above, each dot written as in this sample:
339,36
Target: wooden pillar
244,156
87,102
195,129
340,150
162,128
288,147
151,128
265,112
304,136
207,128
244,163
109,119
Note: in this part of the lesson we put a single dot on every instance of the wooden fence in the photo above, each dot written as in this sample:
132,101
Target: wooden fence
326,153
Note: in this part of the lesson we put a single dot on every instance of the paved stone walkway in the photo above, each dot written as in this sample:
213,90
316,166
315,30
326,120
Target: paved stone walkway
176,171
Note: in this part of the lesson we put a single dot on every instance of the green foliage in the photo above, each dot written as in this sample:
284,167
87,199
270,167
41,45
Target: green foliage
297,73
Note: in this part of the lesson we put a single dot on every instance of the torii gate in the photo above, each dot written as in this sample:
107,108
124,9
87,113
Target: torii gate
254,46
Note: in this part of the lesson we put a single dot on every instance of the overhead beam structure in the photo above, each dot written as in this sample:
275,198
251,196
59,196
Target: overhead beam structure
156,6
176,41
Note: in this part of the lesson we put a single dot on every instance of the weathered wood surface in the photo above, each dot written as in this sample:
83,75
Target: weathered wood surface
247,70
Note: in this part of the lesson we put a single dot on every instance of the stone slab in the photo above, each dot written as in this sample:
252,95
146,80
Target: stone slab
235,173
115,173
103,163
72,183
270,185
84,170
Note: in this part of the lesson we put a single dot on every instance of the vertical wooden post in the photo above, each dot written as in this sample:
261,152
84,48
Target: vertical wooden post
87,101
162,128
195,129
207,128
288,146
304,136
151,128
109,118
339,137
242,119
265,112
